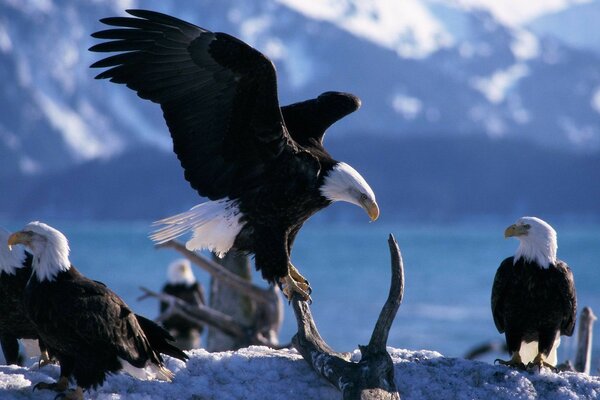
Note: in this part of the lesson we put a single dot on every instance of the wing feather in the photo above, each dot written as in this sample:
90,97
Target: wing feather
324,111
501,280
218,96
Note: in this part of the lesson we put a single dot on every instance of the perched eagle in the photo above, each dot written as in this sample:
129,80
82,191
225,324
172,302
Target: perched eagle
15,270
88,328
533,297
263,167
182,284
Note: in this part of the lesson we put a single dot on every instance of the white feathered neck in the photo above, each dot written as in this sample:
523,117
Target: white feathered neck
50,250
540,243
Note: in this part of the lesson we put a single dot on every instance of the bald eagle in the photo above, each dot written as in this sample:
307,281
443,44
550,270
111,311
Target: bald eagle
15,270
263,167
533,297
182,284
89,329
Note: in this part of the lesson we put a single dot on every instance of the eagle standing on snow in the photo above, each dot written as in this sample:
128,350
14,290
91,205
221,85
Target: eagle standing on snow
88,328
15,270
263,167
533,297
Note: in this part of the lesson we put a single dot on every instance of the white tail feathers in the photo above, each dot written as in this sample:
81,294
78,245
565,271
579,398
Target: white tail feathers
215,225
529,351
151,371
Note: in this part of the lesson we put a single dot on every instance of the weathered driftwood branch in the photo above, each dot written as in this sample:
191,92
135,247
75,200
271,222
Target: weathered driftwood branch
201,314
197,314
217,271
265,305
583,357
373,376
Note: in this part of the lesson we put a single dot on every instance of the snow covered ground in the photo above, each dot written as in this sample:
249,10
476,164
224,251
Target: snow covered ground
262,373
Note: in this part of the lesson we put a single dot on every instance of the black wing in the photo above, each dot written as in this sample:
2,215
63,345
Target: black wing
567,291
308,120
218,96
501,280
86,311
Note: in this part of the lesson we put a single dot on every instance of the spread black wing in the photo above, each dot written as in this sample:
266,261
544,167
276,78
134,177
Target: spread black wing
218,96
501,280
308,120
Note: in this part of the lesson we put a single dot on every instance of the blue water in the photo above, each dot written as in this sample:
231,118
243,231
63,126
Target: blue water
449,271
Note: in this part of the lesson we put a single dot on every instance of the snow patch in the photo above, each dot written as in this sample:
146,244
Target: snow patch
595,102
5,42
496,86
493,124
517,12
525,45
407,27
29,166
407,106
75,132
257,373
580,135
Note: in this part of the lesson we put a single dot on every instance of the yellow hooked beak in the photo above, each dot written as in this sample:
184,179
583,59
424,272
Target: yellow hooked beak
371,208
515,230
19,238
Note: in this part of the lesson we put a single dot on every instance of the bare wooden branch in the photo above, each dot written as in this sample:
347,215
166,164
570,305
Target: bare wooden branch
584,340
256,293
200,313
373,376
388,312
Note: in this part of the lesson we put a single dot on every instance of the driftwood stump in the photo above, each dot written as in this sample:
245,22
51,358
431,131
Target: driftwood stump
583,358
373,376
266,305
230,301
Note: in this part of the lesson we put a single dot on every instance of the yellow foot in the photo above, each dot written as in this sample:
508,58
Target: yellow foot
60,386
540,361
295,274
514,362
290,286
45,360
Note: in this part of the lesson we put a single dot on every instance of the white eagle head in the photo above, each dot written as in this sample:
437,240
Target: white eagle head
50,249
11,259
537,240
180,272
344,183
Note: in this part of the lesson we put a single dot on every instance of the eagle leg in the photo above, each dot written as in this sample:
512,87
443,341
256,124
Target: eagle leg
290,286
514,362
295,274
60,386
540,361
44,359
72,394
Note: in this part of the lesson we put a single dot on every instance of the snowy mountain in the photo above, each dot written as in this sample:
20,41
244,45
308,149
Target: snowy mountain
573,26
420,67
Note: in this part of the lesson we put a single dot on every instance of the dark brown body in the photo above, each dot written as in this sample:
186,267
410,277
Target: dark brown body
531,303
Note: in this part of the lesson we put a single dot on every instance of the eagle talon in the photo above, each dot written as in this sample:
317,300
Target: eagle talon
290,286
60,386
514,362
45,360
540,362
